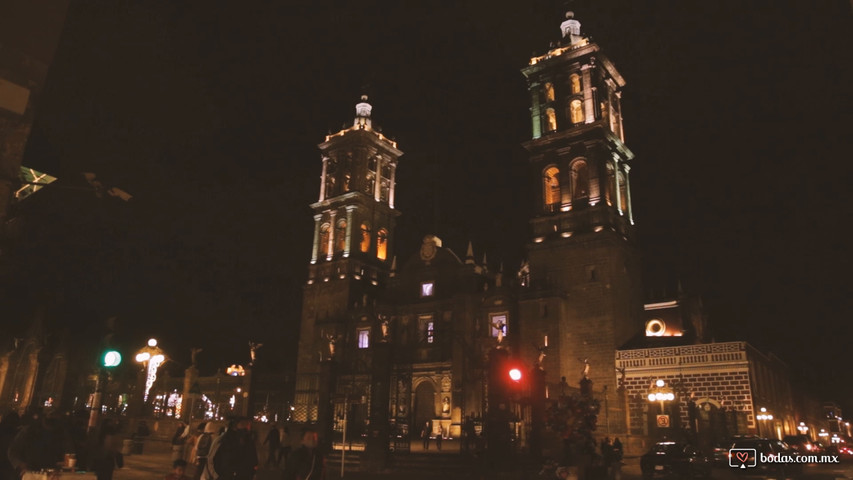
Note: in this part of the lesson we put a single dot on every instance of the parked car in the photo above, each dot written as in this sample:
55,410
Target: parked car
721,454
675,459
801,443
768,447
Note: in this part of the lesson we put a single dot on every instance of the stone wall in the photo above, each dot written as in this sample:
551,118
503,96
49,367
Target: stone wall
709,373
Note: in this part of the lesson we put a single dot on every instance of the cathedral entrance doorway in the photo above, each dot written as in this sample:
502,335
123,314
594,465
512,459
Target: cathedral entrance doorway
424,410
710,423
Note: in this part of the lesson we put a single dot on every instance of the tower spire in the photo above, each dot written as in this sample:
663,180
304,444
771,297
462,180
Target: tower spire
469,256
571,28
362,113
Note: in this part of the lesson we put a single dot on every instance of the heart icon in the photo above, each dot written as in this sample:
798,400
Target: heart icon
742,456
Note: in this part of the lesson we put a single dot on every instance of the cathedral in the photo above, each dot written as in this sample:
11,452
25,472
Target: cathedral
405,342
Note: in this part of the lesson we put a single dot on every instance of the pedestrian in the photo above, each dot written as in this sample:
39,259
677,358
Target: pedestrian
618,454
470,433
179,440
425,433
439,437
273,443
202,448
179,468
192,443
106,456
236,457
607,456
306,462
617,449
284,450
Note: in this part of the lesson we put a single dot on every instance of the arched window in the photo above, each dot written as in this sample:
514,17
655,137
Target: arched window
382,244
623,192
331,177
383,190
580,180
575,80
551,117
551,187
324,238
576,111
610,186
365,237
369,183
549,92
341,235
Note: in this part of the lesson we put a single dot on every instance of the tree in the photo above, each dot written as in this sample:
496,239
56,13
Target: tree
574,418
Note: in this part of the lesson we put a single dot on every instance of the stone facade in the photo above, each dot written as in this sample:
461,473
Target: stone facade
732,378
582,287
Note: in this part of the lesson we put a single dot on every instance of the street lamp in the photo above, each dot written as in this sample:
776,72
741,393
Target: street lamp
151,357
662,393
763,417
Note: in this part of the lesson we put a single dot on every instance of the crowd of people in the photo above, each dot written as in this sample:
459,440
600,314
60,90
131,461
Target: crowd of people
45,441
232,453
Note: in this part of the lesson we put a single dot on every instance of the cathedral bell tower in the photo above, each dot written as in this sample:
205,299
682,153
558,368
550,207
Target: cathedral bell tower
351,258
582,279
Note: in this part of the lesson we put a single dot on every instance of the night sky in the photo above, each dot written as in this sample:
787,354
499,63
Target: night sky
209,114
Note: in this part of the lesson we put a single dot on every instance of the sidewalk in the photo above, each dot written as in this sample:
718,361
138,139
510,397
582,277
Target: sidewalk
154,465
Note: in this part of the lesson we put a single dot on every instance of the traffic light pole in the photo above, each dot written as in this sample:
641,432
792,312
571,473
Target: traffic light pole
110,359
344,437
96,400
498,435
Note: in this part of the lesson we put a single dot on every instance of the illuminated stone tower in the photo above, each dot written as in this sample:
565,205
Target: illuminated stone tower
351,255
582,285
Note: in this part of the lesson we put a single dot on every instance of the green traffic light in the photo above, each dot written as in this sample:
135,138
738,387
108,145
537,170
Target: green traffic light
111,358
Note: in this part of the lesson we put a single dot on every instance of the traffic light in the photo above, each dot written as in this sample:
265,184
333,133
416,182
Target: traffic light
516,381
507,376
111,359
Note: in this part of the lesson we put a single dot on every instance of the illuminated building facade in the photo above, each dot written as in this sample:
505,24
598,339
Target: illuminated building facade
433,318
581,287
354,221
431,315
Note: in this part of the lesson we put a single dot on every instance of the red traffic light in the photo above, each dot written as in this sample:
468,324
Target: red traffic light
515,374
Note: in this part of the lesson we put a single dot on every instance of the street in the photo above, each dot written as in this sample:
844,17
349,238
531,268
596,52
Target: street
155,465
